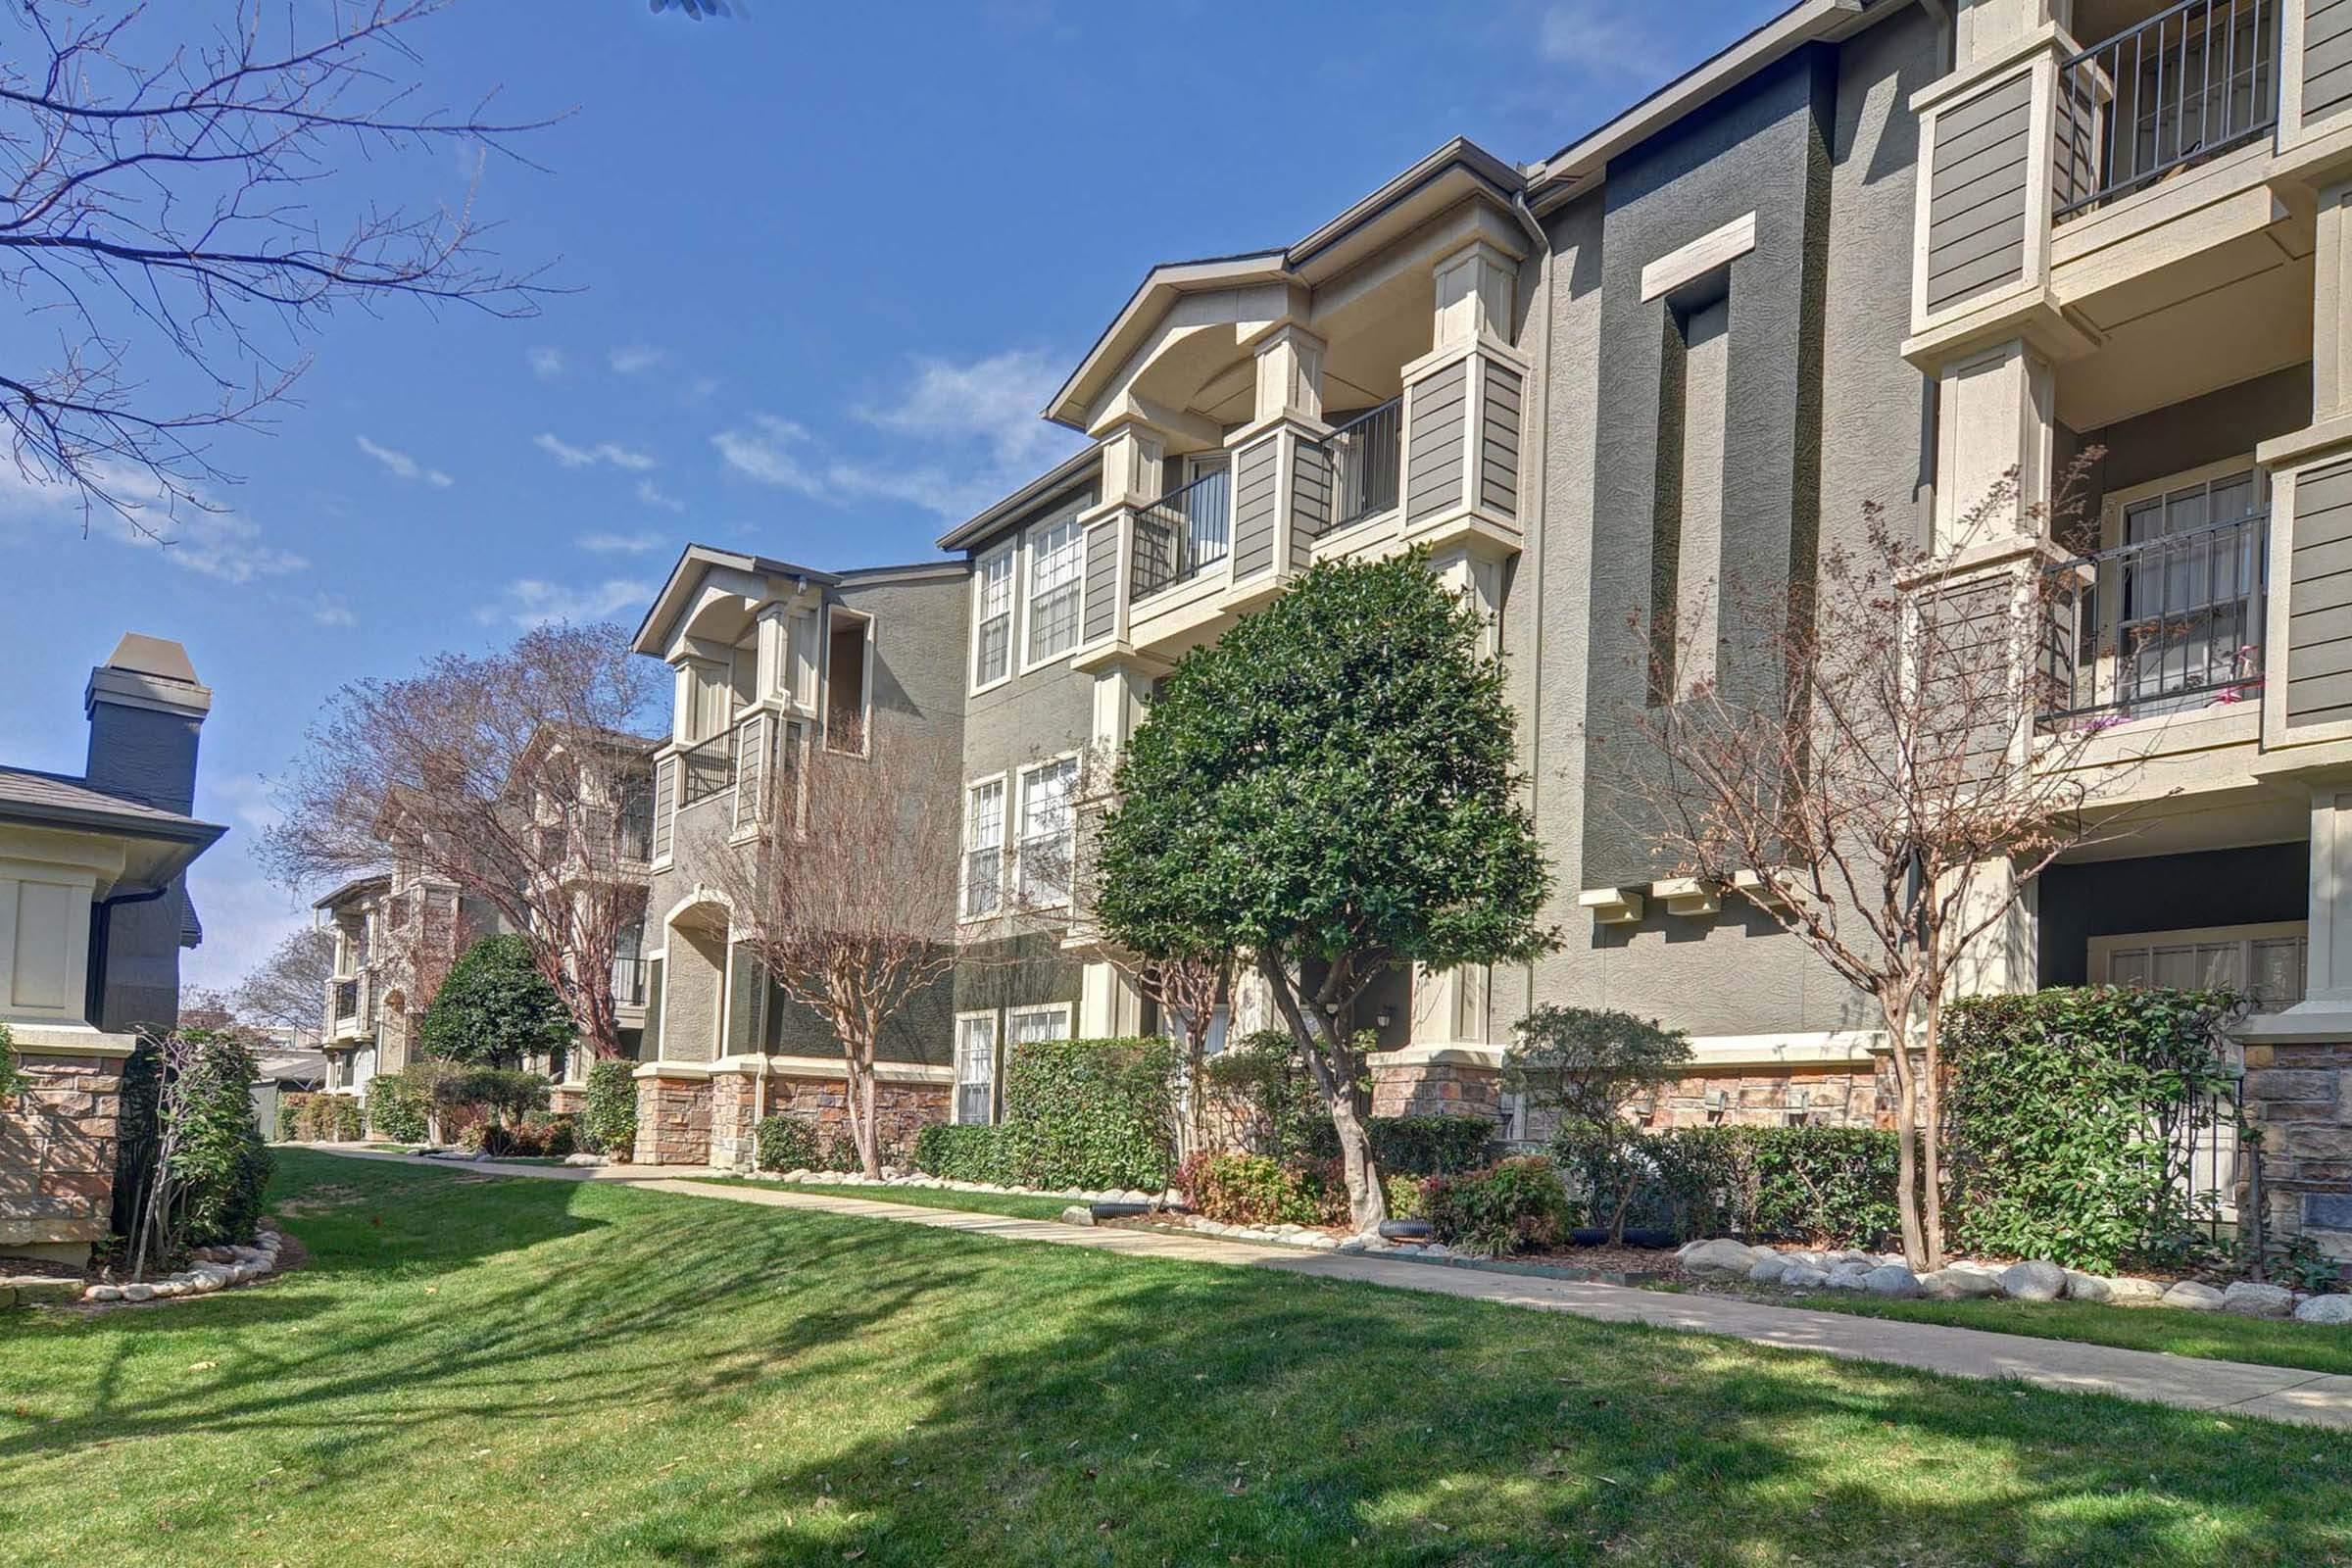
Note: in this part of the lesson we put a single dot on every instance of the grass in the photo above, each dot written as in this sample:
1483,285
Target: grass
1014,1205
2206,1336
521,1370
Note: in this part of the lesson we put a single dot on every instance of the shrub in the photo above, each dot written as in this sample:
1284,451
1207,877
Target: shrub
1429,1145
608,1124
289,1115
499,1093
786,1143
399,1104
1588,1067
561,1138
1515,1206
2068,1113
489,1138
966,1154
1257,1189
1265,1072
839,1153
1404,1198
218,1165
12,1076
321,1118
1090,1113
1827,1186
495,1009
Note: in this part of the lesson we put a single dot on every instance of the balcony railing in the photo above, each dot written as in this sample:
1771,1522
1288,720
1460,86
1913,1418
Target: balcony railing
629,982
347,1000
2187,84
1183,533
2160,626
1365,457
707,769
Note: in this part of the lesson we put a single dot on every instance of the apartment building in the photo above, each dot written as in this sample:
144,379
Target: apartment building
1877,253
582,826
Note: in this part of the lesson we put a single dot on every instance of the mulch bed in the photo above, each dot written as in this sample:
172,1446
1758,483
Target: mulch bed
38,1268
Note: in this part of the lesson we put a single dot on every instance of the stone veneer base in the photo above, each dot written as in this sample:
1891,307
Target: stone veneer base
56,1154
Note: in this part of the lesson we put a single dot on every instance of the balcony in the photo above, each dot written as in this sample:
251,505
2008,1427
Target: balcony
1183,534
707,769
1365,460
2188,84
2159,626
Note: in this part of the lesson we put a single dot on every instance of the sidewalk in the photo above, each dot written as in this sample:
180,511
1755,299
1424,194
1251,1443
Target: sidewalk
2277,1394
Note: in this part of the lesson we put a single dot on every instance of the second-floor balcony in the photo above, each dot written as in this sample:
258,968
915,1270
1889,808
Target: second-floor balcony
1365,458
347,1000
707,769
1185,533
2160,626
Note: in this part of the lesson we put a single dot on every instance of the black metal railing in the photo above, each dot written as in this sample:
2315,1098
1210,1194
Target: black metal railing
347,1000
1365,457
629,982
2164,625
2187,84
1183,533
2216,1165
707,769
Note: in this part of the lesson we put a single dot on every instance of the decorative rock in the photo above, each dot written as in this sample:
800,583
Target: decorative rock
1803,1277
103,1293
38,1289
1078,1214
1769,1269
2081,1287
1895,1281
1849,1277
583,1159
2033,1281
1720,1259
138,1293
2124,1291
1956,1284
2190,1297
2324,1309
2246,1299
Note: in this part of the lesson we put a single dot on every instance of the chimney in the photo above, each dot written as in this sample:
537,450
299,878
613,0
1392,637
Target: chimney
145,707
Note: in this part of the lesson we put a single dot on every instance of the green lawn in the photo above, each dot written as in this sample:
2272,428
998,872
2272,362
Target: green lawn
2208,1335
509,1370
1016,1205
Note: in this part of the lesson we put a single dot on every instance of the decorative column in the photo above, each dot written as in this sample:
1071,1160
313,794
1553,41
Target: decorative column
1282,480
1464,415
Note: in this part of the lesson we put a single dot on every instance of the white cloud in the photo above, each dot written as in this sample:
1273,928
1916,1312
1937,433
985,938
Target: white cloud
546,362
771,452
535,602
652,495
994,400
1606,38
332,609
628,544
204,536
611,452
633,358
400,465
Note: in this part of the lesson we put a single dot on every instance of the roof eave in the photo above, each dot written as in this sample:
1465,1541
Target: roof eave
1060,476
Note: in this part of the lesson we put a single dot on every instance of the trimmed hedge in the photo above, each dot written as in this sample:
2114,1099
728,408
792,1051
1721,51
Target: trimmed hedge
1090,1113
961,1154
2062,1108
321,1118
398,1103
609,1119
786,1143
1517,1206
1259,1189
1827,1186
1429,1145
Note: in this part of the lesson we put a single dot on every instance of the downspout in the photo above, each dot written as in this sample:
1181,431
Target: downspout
102,925
1542,436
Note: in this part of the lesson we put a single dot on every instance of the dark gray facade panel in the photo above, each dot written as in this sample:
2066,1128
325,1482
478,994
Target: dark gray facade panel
2213,428
1311,502
1101,581
2164,893
1434,442
1256,470
1975,210
1499,453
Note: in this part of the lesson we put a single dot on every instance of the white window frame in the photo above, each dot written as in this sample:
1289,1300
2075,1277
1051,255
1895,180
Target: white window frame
1018,839
966,849
2102,950
995,1037
1066,1012
1031,536
1007,552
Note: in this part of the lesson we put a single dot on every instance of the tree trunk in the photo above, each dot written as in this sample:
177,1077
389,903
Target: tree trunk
1906,1135
1328,1059
1931,1138
861,1112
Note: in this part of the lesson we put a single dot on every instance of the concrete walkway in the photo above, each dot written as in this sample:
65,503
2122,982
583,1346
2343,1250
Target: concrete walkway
2277,1394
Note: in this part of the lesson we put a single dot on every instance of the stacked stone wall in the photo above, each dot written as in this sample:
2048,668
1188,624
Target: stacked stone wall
58,1139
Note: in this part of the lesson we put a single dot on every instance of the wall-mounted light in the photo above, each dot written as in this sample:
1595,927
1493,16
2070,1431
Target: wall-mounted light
1383,1019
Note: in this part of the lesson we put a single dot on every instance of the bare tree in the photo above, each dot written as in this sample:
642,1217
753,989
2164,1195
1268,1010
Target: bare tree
847,897
1871,771
158,196
515,777
286,988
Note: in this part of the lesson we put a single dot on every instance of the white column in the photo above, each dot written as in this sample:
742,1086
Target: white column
1479,579
1122,689
1985,29
1133,454
2005,959
1994,415
1109,1006
1474,288
1289,376
1451,1008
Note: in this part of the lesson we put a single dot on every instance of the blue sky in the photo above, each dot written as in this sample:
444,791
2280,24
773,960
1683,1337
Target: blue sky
828,263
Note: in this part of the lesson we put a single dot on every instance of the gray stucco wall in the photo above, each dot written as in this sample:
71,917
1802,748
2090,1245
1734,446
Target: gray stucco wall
1824,416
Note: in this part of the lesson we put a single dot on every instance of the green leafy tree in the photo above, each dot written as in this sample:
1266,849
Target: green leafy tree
495,1010
1331,787
1588,1065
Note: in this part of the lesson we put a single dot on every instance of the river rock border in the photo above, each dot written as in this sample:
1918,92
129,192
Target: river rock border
214,1268
1722,1260
893,1177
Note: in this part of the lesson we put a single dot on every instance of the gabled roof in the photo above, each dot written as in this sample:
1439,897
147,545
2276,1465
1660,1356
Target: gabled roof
373,882
693,563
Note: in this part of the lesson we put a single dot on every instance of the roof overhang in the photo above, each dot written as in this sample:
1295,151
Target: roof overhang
1457,172
376,881
1583,164
678,594
1078,466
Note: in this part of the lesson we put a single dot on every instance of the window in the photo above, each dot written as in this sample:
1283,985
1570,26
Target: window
1049,837
2266,960
2186,580
983,848
846,684
992,618
1031,1025
1057,580
975,1067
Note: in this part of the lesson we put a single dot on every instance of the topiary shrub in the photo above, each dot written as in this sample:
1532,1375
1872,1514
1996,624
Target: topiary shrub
961,1154
609,1120
1090,1113
1518,1205
1257,1190
2070,1114
1429,1145
400,1105
786,1143
494,1008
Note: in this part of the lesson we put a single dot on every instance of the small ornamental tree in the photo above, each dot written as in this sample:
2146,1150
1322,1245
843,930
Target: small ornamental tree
495,1010
1589,1065
1331,788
